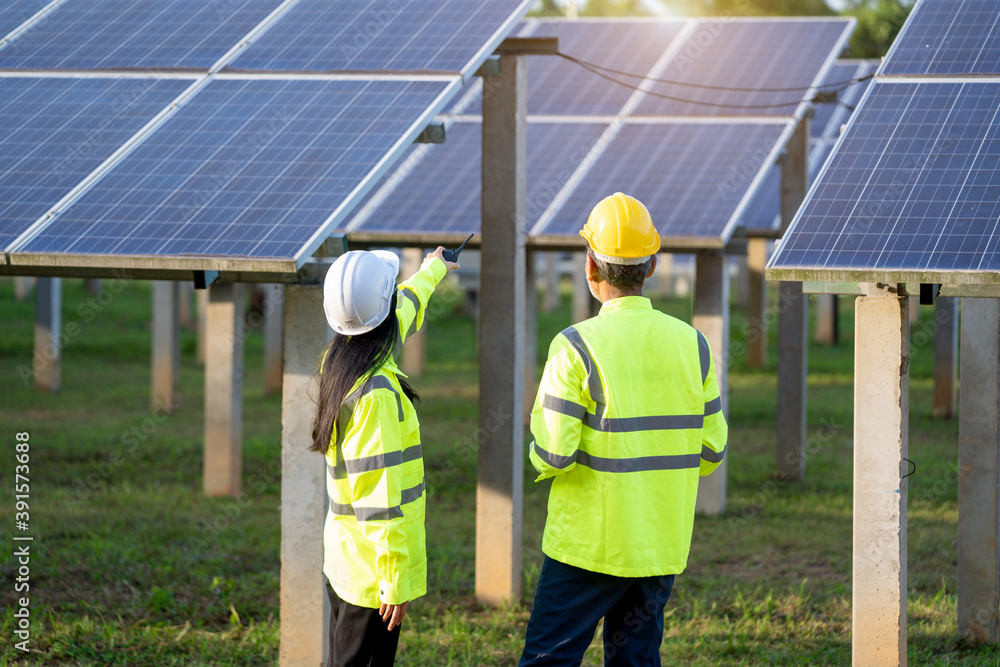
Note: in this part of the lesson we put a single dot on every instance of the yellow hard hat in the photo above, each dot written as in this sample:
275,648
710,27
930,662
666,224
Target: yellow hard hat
620,231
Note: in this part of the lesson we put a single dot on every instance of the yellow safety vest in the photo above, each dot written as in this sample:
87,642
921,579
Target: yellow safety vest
374,535
628,415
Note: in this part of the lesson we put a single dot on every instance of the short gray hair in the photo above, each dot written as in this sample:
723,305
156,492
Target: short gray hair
622,276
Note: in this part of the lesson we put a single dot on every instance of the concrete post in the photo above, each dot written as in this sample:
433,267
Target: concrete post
826,319
792,371
166,346
202,299
415,348
881,412
757,306
223,459
531,308
711,317
184,297
305,609
979,473
742,282
93,286
48,325
274,335
793,328
23,287
914,309
550,295
582,298
945,357
665,274
499,492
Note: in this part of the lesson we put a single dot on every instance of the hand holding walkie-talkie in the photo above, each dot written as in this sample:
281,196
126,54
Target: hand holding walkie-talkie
452,255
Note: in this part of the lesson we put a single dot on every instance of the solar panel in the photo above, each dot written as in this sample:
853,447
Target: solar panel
45,151
557,86
945,37
764,210
376,35
107,34
823,124
441,193
691,176
248,168
913,186
746,54
14,14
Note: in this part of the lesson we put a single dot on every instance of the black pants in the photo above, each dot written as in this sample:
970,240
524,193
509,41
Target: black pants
569,603
358,635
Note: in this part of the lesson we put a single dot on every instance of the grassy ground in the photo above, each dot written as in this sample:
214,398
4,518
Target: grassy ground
133,566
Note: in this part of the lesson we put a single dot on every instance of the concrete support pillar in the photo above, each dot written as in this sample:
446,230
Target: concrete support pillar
499,493
202,301
711,317
23,287
223,461
531,308
48,324
274,335
757,306
793,328
415,349
582,298
166,346
305,609
665,274
550,293
945,357
979,473
742,283
914,309
93,286
826,319
184,297
881,412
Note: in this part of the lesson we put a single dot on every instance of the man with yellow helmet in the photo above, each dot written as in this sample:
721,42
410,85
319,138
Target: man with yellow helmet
628,416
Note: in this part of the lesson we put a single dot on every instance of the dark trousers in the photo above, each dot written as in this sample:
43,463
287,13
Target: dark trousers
358,635
569,603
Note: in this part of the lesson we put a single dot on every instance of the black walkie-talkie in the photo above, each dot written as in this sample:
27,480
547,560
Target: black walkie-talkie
452,255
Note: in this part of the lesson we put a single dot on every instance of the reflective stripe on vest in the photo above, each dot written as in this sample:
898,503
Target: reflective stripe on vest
379,513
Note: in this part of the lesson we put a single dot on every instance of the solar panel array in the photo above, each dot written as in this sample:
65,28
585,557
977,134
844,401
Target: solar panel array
695,172
764,210
14,14
172,162
912,191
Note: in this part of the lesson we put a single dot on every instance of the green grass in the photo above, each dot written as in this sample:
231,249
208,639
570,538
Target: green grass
132,565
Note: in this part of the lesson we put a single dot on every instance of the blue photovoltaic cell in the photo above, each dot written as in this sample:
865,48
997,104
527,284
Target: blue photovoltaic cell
55,131
745,54
822,123
441,195
691,176
13,14
948,37
557,86
380,35
914,185
764,210
104,34
245,169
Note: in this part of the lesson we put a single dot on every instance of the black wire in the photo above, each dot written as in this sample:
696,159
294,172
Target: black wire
687,101
911,472
689,84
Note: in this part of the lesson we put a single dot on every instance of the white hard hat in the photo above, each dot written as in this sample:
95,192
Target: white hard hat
358,290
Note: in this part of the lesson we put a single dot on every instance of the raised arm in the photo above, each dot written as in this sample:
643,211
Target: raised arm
414,293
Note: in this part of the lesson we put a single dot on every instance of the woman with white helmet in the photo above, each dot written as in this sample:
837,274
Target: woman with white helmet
366,427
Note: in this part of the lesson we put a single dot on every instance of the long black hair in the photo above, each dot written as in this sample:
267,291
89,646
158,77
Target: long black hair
348,359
